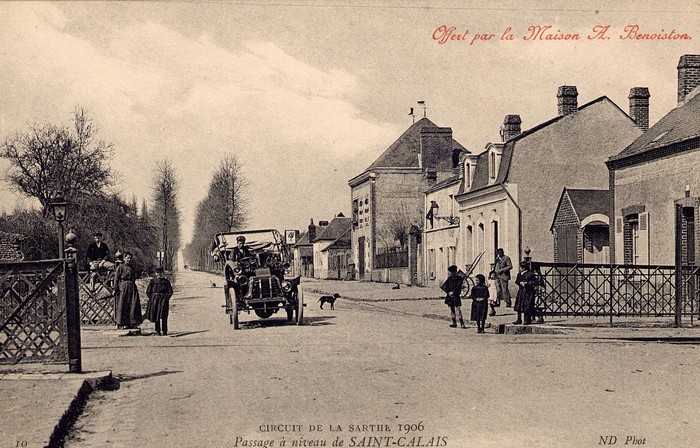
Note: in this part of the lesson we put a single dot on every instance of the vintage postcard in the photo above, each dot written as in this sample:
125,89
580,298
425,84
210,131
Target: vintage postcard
349,223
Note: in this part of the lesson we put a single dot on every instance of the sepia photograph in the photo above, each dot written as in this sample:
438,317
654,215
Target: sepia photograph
346,223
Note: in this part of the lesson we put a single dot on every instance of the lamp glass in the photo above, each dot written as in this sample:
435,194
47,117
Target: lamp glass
59,211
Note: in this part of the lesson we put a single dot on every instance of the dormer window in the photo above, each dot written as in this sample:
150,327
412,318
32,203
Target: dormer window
494,162
467,175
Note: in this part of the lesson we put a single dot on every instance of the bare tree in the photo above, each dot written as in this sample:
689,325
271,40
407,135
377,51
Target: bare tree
166,210
228,188
398,225
48,160
225,208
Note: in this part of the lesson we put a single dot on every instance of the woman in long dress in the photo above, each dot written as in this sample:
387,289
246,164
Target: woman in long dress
128,301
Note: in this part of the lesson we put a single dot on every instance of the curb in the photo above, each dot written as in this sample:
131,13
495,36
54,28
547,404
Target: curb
102,381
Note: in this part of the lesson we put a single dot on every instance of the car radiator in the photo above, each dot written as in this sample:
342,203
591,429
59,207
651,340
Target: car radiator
263,288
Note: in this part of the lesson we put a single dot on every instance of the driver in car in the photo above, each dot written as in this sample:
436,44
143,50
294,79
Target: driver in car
241,250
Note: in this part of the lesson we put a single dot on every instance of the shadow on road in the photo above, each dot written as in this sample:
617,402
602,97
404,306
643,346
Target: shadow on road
126,378
308,322
175,334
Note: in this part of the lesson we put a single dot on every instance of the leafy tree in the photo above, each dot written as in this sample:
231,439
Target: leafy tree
48,161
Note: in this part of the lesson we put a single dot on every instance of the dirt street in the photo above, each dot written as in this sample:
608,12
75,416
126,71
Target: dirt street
357,377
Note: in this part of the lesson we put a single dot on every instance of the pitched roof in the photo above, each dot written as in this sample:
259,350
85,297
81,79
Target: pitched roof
589,202
585,202
481,172
403,153
680,124
335,229
444,183
343,242
303,240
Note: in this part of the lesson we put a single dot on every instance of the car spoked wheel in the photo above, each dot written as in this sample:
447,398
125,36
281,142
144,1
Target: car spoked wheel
234,307
300,306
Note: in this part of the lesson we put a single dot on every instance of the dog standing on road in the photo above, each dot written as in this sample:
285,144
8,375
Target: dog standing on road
329,299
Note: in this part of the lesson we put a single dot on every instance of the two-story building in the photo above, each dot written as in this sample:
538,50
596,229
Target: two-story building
394,187
510,197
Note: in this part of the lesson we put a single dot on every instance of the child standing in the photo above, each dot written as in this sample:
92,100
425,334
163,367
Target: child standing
159,292
453,287
480,296
495,301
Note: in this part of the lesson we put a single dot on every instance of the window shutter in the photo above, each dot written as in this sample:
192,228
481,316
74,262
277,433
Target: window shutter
643,239
619,241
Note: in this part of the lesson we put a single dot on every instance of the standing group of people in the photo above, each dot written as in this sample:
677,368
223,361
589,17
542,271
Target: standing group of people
128,302
497,290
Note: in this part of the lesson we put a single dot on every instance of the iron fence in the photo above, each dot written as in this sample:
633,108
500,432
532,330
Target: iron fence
576,289
393,257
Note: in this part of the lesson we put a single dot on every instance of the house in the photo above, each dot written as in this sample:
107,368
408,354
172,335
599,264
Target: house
338,256
329,250
511,190
656,183
581,226
441,231
388,197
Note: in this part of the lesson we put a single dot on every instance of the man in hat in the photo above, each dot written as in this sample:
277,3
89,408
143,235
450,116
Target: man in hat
97,253
503,266
241,250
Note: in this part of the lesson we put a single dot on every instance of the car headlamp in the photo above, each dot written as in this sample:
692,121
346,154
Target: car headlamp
237,270
286,286
286,266
241,279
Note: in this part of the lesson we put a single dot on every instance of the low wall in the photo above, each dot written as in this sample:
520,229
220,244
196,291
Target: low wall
391,275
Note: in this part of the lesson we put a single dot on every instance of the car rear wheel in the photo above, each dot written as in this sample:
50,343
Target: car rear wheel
300,306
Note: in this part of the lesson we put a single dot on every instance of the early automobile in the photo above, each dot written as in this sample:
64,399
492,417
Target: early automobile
256,282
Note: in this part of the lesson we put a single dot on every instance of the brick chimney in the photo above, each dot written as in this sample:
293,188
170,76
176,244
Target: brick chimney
688,75
312,232
511,127
566,100
639,107
436,148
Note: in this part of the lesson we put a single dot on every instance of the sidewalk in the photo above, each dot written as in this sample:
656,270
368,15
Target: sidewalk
428,302
38,404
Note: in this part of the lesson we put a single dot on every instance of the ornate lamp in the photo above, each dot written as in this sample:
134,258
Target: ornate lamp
59,207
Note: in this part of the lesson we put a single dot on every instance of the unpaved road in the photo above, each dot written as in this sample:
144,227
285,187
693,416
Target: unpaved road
364,373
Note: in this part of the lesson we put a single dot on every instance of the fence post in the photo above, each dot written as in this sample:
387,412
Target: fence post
75,363
679,264
612,291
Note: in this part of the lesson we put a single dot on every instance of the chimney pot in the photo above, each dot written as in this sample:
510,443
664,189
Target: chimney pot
566,100
688,75
511,127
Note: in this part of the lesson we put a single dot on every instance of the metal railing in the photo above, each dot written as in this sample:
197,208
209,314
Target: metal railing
577,289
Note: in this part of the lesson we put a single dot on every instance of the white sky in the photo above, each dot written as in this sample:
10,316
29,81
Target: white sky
308,94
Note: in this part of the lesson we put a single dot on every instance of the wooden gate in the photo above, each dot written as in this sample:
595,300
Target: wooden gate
97,301
39,313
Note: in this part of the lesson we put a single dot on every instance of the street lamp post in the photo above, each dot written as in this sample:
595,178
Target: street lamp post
58,207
